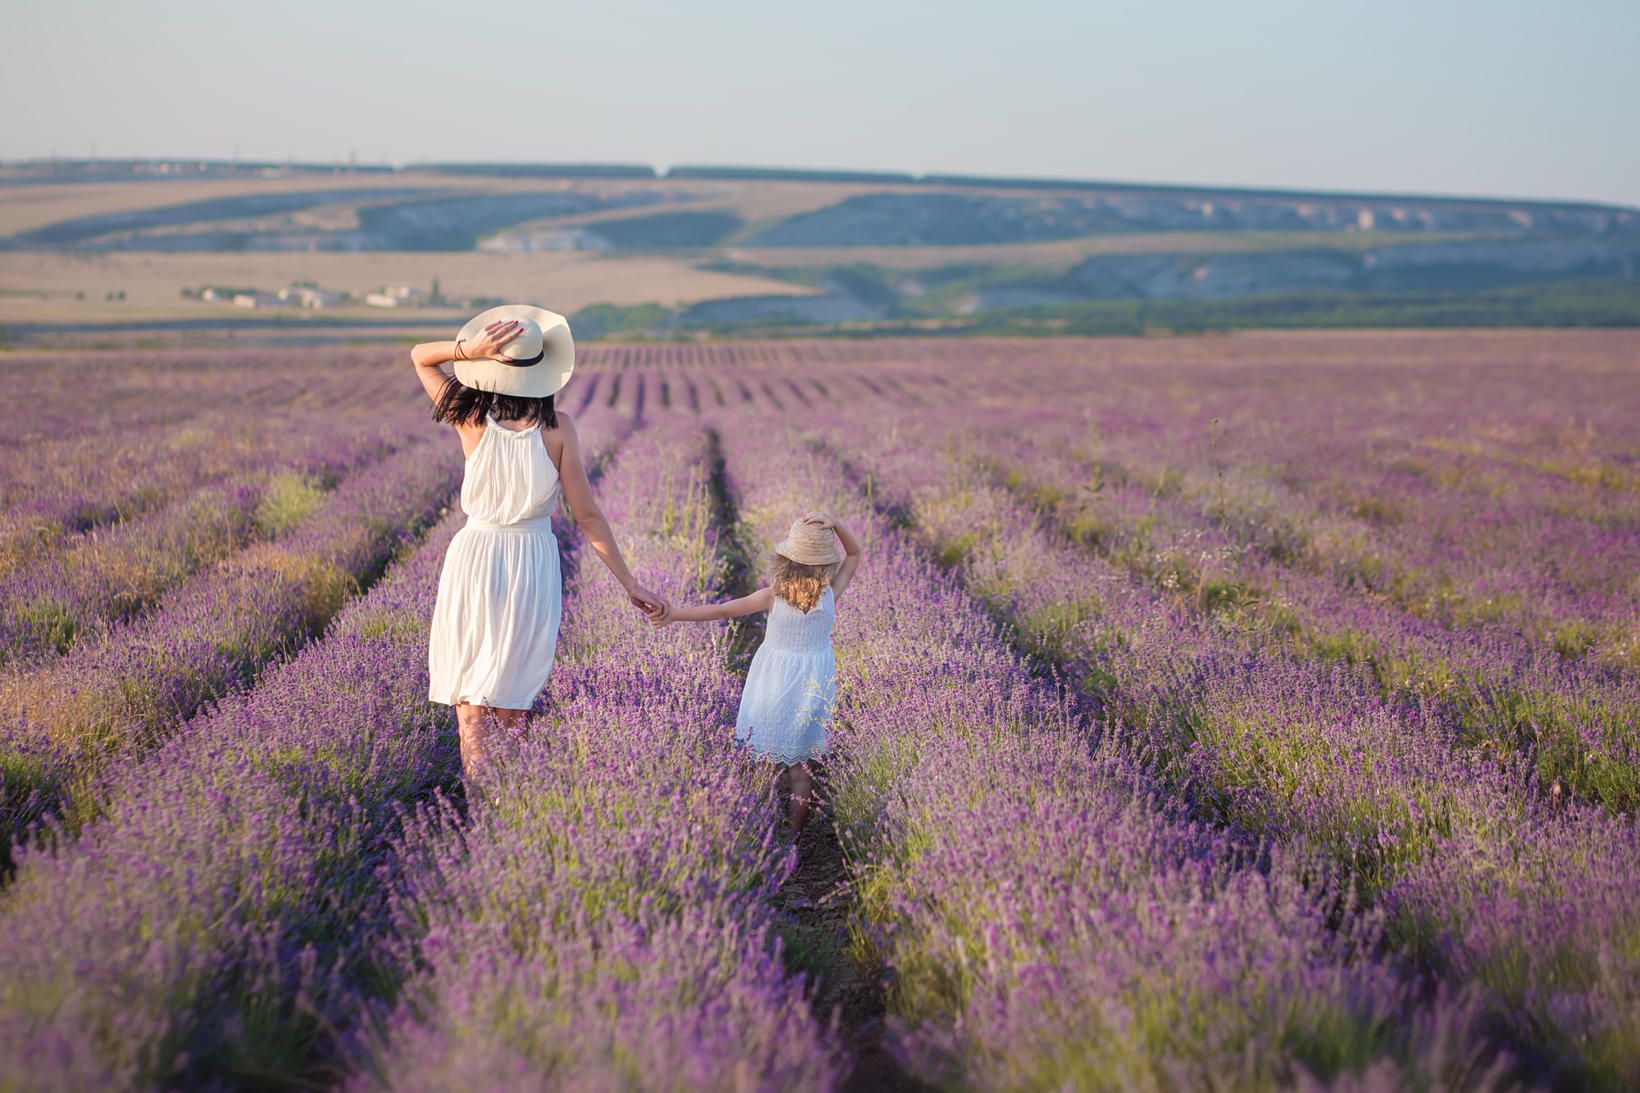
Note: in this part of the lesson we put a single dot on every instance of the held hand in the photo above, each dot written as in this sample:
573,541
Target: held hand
667,615
490,340
653,606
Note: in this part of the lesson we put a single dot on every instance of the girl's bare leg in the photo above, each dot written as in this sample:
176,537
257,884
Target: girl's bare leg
778,777
802,782
475,725
773,774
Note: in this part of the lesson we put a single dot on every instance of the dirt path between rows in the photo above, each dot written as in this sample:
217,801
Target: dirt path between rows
818,904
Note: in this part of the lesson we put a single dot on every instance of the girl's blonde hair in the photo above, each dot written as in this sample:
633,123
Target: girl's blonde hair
798,584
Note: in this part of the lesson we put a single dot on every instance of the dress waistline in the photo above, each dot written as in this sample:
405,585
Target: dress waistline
534,523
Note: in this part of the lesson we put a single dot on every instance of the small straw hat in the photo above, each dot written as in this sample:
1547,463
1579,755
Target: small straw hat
810,544
538,361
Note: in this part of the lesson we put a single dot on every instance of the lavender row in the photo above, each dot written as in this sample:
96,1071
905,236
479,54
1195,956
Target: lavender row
75,480
209,635
1546,570
91,582
1049,919
604,920
135,391
1495,501
1314,759
228,907
1580,723
143,391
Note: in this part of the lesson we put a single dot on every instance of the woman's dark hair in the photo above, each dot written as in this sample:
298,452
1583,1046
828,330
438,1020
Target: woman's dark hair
459,404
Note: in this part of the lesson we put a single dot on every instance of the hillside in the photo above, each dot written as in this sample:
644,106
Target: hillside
761,248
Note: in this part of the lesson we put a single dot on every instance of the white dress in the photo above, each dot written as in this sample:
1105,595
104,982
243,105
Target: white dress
791,685
500,596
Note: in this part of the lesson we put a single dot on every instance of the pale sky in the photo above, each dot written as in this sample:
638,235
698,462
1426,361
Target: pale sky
1502,97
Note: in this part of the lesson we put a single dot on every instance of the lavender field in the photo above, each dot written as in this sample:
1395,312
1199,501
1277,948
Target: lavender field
1244,712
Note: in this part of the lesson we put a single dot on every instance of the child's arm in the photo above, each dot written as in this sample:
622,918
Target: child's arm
761,600
851,560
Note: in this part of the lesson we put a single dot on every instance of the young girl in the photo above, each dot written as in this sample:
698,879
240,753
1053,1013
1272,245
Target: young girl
793,679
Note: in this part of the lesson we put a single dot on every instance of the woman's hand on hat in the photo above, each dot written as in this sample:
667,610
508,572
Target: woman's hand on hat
819,519
491,339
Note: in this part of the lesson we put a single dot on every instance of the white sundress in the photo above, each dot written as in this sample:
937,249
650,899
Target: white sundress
500,594
791,686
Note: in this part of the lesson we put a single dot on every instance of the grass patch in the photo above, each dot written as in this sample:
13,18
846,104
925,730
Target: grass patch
288,500
50,621
1052,632
954,551
1572,640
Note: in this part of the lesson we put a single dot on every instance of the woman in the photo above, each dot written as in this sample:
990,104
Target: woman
495,625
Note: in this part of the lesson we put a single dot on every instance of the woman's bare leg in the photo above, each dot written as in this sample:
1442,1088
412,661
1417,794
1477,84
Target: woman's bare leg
470,726
802,782
475,724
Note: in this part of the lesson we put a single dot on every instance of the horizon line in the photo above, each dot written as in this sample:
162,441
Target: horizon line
840,175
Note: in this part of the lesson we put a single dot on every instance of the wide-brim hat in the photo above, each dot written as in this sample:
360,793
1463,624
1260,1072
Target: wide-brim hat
810,544
537,363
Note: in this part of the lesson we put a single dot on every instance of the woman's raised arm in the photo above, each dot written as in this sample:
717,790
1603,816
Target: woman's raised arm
590,518
431,357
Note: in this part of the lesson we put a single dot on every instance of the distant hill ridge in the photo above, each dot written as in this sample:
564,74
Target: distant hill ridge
68,170
800,249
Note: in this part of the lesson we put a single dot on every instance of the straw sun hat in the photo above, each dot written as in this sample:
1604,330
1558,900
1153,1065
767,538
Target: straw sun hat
810,544
538,361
